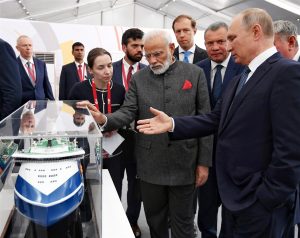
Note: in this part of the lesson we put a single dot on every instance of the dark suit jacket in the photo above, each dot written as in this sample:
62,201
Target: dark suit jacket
199,54
10,81
42,89
232,70
68,78
257,156
117,74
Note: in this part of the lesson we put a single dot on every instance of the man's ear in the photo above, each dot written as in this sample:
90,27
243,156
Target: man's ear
172,47
292,41
124,48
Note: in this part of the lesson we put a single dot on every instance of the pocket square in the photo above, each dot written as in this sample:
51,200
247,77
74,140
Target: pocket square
187,85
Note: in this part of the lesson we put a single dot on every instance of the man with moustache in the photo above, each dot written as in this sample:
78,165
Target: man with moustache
132,46
184,28
169,171
219,69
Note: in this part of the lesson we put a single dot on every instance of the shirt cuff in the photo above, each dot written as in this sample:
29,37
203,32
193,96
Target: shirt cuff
173,125
104,125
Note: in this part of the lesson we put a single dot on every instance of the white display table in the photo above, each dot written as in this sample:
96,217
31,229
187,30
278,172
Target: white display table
114,220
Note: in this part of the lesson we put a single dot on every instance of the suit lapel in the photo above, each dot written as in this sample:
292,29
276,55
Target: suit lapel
37,71
234,102
75,71
23,72
207,71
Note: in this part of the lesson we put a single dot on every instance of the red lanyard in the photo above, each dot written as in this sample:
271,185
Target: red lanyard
96,98
124,76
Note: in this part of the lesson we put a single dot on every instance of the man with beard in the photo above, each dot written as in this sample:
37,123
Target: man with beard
132,46
168,171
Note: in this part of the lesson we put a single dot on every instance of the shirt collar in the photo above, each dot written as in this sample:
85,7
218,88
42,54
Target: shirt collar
262,57
224,63
192,49
126,65
77,63
24,61
297,55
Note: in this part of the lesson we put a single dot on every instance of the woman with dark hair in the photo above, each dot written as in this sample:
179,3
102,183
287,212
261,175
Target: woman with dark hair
107,97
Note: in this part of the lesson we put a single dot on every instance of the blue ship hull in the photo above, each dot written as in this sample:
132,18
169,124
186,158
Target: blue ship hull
46,210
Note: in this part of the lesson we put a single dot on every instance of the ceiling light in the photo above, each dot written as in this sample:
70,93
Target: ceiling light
289,6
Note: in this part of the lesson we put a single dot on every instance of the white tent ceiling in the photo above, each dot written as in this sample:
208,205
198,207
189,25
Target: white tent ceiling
204,11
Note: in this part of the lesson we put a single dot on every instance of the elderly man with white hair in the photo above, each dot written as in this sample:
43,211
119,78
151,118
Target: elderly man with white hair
168,170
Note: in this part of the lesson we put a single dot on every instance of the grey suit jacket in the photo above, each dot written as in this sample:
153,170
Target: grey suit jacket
181,90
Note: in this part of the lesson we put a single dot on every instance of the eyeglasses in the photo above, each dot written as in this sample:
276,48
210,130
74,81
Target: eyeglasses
154,54
212,43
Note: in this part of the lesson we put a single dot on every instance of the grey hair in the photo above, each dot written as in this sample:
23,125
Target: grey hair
285,29
164,35
21,37
216,26
259,16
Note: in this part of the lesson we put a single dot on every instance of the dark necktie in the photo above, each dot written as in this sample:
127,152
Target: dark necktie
80,72
217,86
243,79
186,56
129,74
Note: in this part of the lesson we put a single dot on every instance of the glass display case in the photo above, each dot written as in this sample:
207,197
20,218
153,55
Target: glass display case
50,172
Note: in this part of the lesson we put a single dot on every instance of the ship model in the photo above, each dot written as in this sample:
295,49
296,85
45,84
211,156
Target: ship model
50,184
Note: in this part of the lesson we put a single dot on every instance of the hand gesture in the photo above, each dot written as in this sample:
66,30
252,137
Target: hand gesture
159,124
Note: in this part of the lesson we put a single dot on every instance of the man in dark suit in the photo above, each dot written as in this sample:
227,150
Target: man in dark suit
257,120
74,72
286,43
285,40
184,28
219,69
34,77
10,81
168,171
132,46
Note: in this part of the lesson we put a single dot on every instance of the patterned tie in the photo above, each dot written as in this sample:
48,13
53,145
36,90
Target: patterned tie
186,56
80,72
129,74
217,87
243,79
30,70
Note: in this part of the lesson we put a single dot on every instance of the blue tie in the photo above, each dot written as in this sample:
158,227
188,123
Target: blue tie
217,87
243,79
186,56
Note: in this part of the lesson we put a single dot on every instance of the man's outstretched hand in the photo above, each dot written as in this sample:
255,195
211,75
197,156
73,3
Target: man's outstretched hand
159,124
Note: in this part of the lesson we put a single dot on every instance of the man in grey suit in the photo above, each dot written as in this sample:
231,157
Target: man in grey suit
169,171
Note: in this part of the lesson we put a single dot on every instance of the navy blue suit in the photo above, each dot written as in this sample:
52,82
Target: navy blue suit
42,89
257,154
129,161
68,77
208,194
10,81
199,54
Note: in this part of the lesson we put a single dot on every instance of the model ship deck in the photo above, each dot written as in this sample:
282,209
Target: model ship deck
50,149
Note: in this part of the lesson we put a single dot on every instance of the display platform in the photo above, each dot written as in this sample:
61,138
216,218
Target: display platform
45,191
